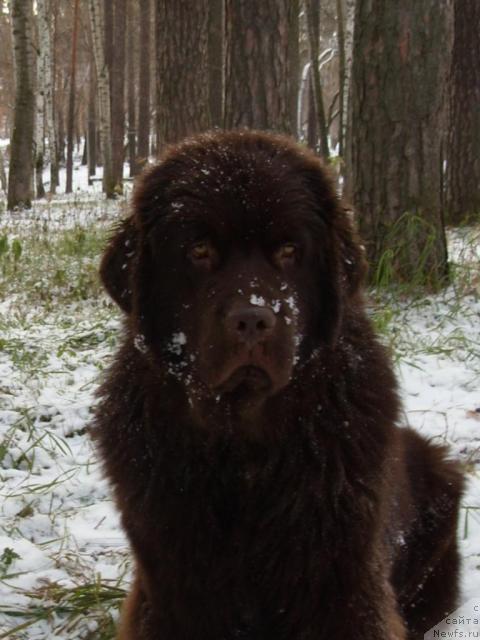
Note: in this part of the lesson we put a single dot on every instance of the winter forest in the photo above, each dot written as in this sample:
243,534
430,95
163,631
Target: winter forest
386,92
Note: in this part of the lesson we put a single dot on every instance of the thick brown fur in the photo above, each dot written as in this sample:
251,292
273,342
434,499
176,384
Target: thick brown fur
248,424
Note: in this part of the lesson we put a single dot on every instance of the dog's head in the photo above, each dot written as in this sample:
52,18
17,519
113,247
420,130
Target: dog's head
236,264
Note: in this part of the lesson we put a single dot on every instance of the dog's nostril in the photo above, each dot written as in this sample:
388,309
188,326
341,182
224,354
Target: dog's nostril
250,324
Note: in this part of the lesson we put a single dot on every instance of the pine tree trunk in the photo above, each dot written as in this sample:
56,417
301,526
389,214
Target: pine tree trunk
144,84
400,66
313,25
294,63
131,135
215,61
463,149
103,84
71,101
21,154
261,64
60,135
182,71
92,124
117,83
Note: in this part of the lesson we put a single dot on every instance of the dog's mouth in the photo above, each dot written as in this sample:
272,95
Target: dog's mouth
247,378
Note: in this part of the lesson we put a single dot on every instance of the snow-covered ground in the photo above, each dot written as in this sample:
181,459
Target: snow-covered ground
63,557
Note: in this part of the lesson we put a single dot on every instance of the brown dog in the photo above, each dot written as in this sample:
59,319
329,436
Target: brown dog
248,423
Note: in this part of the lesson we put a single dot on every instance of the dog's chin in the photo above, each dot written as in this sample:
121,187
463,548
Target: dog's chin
246,379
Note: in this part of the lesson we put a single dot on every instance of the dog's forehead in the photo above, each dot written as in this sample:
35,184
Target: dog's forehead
243,193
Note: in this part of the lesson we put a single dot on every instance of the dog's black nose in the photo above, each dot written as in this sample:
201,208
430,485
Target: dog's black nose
250,325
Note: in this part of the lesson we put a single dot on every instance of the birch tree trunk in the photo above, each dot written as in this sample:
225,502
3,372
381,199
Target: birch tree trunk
21,154
349,22
45,42
40,117
342,88
95,8
71,101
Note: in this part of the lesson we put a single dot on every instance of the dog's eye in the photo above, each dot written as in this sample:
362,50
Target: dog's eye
286,254
203,254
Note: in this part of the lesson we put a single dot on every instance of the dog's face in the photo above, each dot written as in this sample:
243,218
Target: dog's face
235,265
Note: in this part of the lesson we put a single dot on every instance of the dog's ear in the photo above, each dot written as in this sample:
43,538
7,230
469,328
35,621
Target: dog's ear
117,262
353,265
342,269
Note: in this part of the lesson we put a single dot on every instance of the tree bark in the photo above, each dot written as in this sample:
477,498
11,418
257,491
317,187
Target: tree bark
39,130
144,84
313,25
215,61
92,124
463,149
400,66
182,72
71,101
40,106
117,83
103,84
348,48
52,125
342,88
131,134
312,134
261,64
45,44
21,146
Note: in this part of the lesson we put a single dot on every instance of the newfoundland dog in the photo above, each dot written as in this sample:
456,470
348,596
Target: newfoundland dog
249,421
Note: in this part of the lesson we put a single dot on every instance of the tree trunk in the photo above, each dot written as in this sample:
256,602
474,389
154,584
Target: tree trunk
131,136
182,72
312,134
71,101
144,84
294,64
98,30
342,88
92,124
348,48
40,108
400,65
313,25
117,83
463,149
21,146
50,98
215,61
3,175
39,146
261,64
60,136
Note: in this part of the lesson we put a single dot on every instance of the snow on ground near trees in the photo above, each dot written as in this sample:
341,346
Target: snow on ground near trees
63,557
